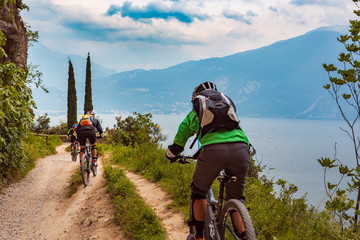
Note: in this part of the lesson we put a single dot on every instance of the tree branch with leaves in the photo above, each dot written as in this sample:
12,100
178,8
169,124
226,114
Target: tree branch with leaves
344,88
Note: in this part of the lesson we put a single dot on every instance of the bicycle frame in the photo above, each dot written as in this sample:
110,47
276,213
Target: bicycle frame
216,206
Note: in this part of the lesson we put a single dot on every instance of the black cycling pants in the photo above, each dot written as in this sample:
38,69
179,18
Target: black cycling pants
72,138
84,134
233,157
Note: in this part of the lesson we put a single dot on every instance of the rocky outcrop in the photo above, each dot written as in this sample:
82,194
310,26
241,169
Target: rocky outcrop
13,27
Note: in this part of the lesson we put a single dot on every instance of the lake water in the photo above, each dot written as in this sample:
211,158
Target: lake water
288,148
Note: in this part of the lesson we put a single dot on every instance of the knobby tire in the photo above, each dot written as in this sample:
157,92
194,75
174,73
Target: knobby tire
73,156
75,152
236,205
94,169
85,173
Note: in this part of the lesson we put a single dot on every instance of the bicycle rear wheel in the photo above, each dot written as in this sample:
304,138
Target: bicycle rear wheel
225,229
84,167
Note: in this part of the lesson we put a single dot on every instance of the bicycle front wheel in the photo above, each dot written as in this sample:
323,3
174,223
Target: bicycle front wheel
84,167
74,153
94,169
225,228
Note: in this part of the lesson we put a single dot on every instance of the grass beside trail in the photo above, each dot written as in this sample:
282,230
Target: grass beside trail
135,217
74,183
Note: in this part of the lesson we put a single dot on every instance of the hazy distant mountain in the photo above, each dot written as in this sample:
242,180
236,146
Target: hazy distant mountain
282,80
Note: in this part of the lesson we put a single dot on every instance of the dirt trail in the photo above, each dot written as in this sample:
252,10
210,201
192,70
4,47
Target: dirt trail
37,207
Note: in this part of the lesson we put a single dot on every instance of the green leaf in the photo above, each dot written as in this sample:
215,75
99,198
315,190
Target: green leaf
329,68
339,81
327,163
327,86
331,186
344,169
346,96
343,38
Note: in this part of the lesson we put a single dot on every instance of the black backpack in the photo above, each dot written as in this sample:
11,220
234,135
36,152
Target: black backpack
215,111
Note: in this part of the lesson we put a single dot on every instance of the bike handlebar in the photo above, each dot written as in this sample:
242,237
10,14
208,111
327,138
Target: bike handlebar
185,159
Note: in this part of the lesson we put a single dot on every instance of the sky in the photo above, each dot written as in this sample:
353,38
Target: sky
154,34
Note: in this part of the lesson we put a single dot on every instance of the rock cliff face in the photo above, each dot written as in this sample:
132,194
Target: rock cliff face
13,27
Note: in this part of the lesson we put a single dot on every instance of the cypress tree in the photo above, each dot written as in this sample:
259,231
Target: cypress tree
71,98
88,97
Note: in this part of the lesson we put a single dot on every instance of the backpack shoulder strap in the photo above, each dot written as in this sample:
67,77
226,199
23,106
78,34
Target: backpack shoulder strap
196,138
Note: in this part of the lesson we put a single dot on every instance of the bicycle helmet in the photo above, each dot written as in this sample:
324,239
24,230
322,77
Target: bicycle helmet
75,125
203,86
92,112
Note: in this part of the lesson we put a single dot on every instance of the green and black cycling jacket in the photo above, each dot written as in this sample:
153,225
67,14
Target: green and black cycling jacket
190,126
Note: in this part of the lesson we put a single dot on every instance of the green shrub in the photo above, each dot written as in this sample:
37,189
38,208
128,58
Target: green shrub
285,217
135,130
15,115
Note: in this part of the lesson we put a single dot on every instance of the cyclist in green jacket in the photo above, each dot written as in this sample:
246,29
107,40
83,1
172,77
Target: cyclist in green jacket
220,149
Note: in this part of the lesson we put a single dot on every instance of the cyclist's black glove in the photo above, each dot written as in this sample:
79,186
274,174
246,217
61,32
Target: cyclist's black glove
173,151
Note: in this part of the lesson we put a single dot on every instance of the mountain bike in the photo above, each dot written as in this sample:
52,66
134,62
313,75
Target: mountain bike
218,222
75,152
87,165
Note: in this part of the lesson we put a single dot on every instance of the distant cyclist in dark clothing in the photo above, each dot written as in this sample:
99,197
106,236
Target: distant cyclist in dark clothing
86,130
72,135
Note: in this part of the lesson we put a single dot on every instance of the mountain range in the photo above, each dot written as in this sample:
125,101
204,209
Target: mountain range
281,80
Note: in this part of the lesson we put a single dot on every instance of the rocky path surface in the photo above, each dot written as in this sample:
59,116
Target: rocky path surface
37,207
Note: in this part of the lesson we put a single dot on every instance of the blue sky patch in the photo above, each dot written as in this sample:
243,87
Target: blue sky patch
310,2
